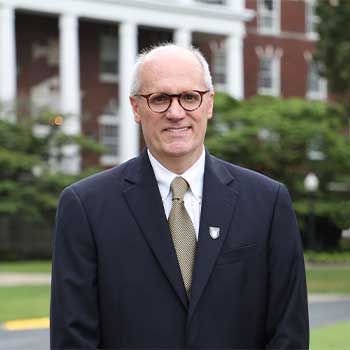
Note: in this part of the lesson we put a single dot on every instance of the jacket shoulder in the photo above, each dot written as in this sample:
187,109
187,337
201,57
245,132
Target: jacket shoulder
247,177
103,181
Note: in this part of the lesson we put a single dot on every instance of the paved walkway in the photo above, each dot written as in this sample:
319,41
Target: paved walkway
324,298
20,279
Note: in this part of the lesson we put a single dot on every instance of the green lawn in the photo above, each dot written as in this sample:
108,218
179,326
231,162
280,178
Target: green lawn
334,337
24,302
33,301
26,266
323,279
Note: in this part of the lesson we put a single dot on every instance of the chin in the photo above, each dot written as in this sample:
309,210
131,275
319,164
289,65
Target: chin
180,151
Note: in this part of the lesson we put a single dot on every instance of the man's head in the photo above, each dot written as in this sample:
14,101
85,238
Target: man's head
174,135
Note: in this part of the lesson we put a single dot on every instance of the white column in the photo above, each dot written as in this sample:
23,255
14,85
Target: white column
129,130
238,5
70,88
183,37
234,66
8,78
187,2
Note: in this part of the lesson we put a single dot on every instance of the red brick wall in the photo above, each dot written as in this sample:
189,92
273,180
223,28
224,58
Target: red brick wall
293,16
96,94
291,40
32,29
251,5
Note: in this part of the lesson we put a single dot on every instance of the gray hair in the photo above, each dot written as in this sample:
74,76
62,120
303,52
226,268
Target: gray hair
135,78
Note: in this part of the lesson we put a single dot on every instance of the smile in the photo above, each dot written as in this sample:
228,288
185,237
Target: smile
178,130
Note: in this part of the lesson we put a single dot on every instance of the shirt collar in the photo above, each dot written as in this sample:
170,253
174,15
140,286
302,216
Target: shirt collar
194,176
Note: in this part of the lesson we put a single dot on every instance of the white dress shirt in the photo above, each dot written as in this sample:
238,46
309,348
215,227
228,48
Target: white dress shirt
193,196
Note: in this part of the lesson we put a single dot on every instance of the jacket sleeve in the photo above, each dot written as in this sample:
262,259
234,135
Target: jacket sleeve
287,325
74,302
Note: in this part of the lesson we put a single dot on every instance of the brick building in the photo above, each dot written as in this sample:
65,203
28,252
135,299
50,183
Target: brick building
75,56
278,50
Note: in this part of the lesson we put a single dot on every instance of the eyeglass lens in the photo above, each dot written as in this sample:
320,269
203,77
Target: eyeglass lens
189,100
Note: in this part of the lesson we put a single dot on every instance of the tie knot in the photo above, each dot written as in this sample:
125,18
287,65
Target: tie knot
179,187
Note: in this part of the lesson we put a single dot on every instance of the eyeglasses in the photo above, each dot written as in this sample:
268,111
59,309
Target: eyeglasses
160,102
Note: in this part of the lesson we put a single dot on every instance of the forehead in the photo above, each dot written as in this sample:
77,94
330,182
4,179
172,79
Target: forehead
171,70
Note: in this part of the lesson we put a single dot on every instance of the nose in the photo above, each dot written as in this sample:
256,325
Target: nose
175,110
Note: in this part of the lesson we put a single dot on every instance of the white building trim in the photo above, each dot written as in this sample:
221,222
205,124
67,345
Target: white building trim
234,66
112,156
194,16
311,20
274,15
182,16
318,91
8,71
129,130
183,37
274,59
70,87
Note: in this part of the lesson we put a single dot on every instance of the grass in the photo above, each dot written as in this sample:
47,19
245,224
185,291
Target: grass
33,301
24,302
335,337
26,266
323,279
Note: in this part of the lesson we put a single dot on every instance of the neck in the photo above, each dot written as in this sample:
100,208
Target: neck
178,165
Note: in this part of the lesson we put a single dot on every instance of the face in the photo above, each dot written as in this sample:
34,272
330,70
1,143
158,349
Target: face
175,135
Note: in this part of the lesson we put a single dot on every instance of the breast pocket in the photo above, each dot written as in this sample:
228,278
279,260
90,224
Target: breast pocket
237,254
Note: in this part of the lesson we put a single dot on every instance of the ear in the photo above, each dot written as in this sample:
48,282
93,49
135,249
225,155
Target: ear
210,104
135,109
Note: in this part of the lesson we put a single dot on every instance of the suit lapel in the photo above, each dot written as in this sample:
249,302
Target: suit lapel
219,201
144,200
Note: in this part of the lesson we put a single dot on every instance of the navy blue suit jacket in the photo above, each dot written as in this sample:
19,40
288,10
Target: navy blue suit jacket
116,283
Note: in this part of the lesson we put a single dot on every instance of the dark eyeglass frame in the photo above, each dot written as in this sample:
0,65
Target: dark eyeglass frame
171,96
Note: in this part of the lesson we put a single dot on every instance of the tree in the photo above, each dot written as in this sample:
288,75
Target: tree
287,139
333,49
29,183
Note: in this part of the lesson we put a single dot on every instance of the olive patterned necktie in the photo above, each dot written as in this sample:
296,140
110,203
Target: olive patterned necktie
182,231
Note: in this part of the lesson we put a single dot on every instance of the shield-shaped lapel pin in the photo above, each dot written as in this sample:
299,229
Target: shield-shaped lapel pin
214,232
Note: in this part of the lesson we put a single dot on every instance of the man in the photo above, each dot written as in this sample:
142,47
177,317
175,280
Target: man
177,249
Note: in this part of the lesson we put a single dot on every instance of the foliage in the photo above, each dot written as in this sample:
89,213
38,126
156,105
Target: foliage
333,46
30,179
333,50
26,266
287,139
314,257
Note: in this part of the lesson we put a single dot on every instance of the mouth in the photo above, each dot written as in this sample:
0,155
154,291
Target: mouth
177,130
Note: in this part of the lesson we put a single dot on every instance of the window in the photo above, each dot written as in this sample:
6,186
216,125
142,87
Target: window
268,77
219,66
109,58
310,17
316,85
109,137
268,19
315,148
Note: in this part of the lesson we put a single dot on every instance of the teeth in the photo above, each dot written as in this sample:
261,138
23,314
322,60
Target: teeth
177,130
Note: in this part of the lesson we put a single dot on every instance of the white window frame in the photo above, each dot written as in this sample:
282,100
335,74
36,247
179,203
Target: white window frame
275,16
274,90
321,93
114,121
106,76
310,19
219,55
